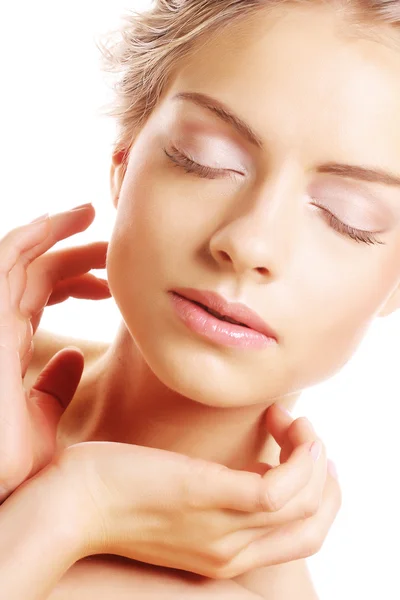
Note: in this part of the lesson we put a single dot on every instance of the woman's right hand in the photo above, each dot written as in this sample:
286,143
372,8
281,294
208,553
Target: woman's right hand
30,280
170,510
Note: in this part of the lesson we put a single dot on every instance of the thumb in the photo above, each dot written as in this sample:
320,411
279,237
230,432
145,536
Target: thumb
50,395
61,376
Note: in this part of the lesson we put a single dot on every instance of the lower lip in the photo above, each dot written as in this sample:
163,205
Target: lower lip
222,332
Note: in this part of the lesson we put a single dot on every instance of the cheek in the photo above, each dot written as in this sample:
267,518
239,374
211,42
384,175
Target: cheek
163,223
340,303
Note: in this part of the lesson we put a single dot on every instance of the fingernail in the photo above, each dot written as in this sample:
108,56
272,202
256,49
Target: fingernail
41,218
284,410
332,469
315,450
81,206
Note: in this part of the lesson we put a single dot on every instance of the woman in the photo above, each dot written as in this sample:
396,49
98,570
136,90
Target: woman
346,232
155,506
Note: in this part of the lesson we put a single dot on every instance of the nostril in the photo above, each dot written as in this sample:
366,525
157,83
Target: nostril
225,256
262,270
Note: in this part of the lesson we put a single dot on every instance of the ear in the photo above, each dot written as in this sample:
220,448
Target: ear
391,304
117,174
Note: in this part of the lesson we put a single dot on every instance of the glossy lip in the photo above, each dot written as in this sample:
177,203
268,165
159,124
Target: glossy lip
233,310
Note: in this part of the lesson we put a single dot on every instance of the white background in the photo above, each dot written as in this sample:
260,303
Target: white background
55,154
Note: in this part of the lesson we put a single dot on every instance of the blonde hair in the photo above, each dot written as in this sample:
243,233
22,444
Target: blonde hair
151,45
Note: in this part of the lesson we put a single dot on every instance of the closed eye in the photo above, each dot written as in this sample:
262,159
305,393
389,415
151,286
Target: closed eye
190,166
358,235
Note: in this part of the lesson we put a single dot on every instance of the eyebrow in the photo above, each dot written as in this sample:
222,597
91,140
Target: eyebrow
223,112
362,173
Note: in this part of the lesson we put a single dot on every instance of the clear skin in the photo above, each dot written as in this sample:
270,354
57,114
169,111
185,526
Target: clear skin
325,288
244,513
257,238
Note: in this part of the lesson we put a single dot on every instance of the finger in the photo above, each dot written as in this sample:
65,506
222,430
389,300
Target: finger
249,492
288,433
295,541
35,321
87,287
304,503
61,375
287,480
277,421
19,240
291,434
25,359
300,432
12,246
62,225
57,227
14,422
50,270
75,260
51,393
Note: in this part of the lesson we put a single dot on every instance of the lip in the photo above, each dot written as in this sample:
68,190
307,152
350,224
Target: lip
234,310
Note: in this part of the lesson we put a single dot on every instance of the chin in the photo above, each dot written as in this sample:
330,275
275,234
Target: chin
209,379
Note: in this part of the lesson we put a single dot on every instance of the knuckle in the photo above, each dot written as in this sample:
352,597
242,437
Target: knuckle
14,471
213,572
307,512
190,486
8,236
311,508
225,572
221,555
195,482
13,237
268,500
311,543
5,266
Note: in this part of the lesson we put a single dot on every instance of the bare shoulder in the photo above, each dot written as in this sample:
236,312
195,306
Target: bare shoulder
106,577
286,580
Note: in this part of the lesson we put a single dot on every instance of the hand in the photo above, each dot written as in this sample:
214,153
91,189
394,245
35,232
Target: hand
29,281
170,510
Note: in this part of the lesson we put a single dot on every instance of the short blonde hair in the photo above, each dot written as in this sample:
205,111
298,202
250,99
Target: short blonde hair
151,45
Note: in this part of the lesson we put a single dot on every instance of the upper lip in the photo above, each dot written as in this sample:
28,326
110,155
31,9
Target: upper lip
233,310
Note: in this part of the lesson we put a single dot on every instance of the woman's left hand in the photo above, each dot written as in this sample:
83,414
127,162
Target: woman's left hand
167,509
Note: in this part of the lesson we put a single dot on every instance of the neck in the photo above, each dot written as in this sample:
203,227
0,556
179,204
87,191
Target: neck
121,400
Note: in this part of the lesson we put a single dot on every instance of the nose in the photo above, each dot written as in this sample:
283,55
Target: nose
258,241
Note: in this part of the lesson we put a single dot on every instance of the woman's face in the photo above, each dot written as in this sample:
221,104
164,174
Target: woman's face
260,232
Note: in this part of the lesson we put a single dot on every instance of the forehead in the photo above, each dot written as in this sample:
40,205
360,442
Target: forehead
305,84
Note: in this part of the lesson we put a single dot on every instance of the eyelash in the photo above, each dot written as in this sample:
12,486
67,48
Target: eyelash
190,166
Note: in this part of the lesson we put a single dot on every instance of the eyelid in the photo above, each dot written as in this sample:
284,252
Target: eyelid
352,232
184,157
328,186
374,207
373,219
227,156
